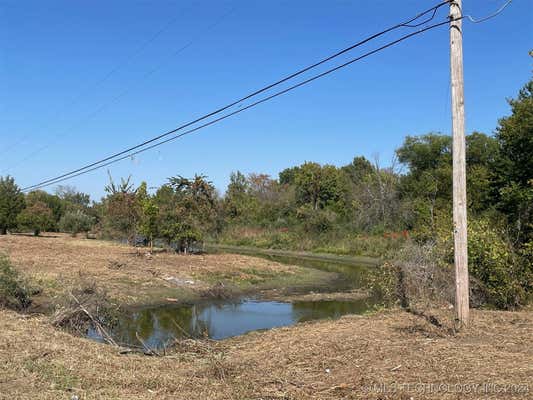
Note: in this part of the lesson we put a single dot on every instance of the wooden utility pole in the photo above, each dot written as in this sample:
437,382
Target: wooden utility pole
459,164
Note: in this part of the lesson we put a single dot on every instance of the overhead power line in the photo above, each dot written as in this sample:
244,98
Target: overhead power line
315,77
102,80
116,98
408,23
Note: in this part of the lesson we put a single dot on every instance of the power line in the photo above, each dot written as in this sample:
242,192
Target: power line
108,75
301,71
494,14
114,99
315,77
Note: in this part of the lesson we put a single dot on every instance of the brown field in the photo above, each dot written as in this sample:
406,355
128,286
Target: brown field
131,275
322,360
386,355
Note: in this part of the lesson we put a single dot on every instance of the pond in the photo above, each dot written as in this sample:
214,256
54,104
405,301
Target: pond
220,319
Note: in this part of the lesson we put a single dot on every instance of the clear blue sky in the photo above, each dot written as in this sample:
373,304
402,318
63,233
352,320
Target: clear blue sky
130,82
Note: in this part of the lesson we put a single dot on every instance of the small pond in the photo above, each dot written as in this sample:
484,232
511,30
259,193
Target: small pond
219,319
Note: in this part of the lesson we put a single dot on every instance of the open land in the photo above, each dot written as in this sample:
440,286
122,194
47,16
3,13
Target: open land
389,354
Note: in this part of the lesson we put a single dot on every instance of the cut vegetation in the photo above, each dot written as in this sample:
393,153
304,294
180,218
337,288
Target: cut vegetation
132,276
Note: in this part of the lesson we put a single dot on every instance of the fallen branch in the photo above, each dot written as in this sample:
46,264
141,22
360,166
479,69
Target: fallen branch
106,336
147,348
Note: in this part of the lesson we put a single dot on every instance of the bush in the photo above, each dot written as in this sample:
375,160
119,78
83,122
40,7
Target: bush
420,278
37,218
75,222
14,291
492,259
316,221
416,278
495,266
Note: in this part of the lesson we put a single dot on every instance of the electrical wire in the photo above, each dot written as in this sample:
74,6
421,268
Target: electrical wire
255,93
315,77
494,14
106,77
117,97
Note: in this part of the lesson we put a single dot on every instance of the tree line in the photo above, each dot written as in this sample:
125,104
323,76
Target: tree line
328,208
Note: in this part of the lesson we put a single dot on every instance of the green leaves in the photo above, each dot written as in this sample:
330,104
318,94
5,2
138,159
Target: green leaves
11,203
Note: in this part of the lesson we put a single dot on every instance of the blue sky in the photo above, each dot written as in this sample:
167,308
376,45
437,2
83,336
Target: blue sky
81,80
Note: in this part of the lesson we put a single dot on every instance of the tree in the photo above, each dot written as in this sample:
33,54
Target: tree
121,211
73,199
11,203
513,172
52,201
317,185
194,211
149,221
75,222
375,196
358,169
427,187
238,204
38,217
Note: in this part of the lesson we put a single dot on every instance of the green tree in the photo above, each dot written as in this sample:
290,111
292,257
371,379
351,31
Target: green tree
239,205
72,199
120,209
513,172
481,153
194,212
76,221
428,184
37,217
149,221
317,185
11,203
358,169
52,201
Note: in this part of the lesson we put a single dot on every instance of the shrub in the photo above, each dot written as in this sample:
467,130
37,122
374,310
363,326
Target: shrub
492,259
75,222
14,291
316,220
419,278
416,278
37,218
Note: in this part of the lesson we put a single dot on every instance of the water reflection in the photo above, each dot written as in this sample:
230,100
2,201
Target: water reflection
159,326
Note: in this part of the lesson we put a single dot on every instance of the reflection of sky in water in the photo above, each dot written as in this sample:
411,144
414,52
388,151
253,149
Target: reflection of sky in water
221,319
231,320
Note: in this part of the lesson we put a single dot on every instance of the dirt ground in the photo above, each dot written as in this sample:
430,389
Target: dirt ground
389,355
131,275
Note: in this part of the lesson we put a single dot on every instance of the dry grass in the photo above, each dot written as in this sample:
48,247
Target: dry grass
321,360
132,275
355,357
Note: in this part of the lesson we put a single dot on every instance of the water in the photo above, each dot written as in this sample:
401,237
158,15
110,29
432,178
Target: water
220,319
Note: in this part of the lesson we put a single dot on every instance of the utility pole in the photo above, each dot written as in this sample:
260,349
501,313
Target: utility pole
459,164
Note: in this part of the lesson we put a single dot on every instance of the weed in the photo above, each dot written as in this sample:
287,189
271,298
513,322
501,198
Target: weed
15,292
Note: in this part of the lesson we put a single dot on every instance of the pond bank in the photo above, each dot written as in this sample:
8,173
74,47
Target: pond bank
355,357
225,313
132,276
303,255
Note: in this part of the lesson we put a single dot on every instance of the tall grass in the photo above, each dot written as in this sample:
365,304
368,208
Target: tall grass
333,242
14,290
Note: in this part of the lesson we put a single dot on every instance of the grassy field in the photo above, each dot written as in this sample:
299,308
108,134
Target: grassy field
132,276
